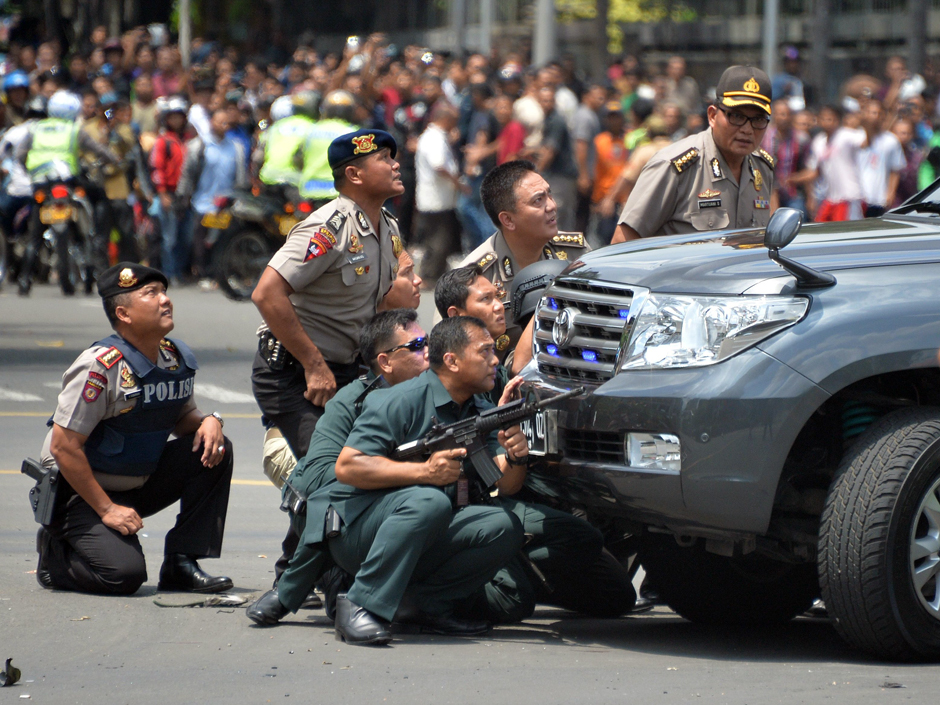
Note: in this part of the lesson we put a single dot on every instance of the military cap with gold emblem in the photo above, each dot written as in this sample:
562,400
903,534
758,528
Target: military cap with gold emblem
360,143
744,85
127,276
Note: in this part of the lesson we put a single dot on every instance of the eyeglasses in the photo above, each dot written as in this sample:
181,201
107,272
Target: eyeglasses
758,122
412,345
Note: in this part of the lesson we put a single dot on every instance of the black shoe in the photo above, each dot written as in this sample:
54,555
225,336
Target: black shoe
43,576
311,602
642,604
267,610
334,581
446,626
181,572
23,287
356,625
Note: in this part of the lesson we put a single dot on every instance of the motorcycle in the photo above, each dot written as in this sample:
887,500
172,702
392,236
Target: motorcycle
249,227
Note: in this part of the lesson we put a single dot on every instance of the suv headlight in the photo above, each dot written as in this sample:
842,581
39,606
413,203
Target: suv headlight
692,331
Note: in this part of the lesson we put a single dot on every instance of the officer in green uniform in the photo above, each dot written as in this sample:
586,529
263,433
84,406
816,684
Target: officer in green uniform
520,203
415,545
396,348
579,574
717,179
337,114
285,142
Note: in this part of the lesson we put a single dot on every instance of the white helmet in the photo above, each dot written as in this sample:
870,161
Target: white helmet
281,108
173,104
64,105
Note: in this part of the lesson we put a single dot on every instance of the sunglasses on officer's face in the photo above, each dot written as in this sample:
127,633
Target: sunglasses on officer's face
412,345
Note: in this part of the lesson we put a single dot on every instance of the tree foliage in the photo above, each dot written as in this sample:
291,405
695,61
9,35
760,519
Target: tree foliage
624,12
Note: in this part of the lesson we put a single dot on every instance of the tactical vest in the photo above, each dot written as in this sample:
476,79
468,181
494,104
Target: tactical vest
284,139
132,443
317,178
54,139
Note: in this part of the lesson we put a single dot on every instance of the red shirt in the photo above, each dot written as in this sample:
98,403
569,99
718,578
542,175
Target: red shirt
166,162
511,140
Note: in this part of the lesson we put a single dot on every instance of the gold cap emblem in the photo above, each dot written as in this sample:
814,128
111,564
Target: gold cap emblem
126,278
364,144
752,86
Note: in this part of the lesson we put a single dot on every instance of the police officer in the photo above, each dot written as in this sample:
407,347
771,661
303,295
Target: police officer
285,142
120,401
336,118
322,287
416,547
719,178
395,347
519,201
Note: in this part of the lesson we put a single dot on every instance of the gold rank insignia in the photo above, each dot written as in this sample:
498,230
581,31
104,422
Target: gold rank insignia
126,278
502,342
716,169
397,247
548,253
128,380
354,244
109,358
569,239
767,157
507,268
708,193
487,260
500,289
685,160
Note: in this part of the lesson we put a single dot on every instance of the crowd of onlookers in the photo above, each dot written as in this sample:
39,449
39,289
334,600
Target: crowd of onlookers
454,118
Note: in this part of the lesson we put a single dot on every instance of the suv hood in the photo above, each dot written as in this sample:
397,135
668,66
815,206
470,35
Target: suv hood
733,261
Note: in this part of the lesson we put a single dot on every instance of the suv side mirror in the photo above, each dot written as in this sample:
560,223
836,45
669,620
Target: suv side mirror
784,225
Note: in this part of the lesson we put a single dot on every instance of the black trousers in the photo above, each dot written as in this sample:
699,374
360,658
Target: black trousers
439,232
86,556
280,396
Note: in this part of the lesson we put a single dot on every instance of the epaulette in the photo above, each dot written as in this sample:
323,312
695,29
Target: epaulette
388,214
763,154
569,239
685,160
335,222
487,260
109,358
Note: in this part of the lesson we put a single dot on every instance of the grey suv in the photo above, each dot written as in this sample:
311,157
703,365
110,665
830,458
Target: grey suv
767,428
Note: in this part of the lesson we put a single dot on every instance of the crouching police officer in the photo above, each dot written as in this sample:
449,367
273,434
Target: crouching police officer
120,401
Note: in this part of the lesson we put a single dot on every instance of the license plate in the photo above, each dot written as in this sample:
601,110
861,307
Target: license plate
287,222
57,213
217,220
535,430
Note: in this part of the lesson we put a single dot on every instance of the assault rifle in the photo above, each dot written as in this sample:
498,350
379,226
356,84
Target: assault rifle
471,434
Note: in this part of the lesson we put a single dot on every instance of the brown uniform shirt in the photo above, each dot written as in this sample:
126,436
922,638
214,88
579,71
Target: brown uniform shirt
688,187
339,269
499,266
92,392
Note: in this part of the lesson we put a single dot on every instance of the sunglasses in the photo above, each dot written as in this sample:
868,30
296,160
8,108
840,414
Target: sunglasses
758,122
413,345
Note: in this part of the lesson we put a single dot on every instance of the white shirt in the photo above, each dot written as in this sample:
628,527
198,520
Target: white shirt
527,111
836,160
19,184
875,162
199,118
566,103
434,192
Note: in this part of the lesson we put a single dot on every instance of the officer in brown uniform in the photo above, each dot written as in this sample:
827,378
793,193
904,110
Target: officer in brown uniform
321,288
519,201
717,179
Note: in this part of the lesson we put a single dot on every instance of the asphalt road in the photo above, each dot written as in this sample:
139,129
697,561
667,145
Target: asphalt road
86,649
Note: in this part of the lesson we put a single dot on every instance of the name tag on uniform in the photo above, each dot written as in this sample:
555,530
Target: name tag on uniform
134,394
356,258
710,203
761,204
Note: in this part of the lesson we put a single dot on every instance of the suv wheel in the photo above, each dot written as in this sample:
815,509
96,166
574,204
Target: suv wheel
715,590
879,542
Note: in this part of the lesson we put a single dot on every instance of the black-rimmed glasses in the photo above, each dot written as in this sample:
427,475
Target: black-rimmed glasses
412,345
758,122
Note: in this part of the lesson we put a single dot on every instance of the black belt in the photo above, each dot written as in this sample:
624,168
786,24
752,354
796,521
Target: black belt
279,358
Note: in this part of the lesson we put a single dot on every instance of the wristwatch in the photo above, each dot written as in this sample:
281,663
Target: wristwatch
218,417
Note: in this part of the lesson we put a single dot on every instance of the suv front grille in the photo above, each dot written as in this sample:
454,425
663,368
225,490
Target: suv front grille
593,446
596,316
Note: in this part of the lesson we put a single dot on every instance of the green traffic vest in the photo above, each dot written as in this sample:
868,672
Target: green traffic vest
54,139
317,178
283,140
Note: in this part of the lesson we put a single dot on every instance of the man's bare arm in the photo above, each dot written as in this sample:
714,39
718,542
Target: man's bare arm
624,233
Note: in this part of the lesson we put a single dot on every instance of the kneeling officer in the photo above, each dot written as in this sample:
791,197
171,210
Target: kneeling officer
120,401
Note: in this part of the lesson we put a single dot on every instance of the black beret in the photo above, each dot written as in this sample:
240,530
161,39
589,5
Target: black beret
744,85
357,144
127,276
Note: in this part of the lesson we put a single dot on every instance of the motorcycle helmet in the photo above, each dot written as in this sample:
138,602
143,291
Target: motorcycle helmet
36,107
306,103
174,104
15,79
281,108
338,105
64,105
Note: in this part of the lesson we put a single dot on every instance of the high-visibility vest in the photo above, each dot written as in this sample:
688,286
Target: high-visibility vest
283,140
317,178
54,139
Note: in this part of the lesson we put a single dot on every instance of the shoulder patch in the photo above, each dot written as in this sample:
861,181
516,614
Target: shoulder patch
569,239
487,260
767,157
335,222
92,389
685,160
109,358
